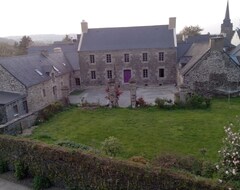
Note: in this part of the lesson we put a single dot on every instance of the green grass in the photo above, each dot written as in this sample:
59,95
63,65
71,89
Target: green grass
145,132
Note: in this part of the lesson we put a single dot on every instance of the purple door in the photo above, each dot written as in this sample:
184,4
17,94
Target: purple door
127,75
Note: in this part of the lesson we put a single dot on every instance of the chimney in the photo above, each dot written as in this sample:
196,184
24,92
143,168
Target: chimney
216,43
172,23
84,26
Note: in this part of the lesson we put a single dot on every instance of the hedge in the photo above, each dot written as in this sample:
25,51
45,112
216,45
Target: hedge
77,170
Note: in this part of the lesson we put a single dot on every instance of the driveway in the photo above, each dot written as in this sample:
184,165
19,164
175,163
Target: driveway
149,94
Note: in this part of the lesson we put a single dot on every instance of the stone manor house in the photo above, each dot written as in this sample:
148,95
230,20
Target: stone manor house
149,54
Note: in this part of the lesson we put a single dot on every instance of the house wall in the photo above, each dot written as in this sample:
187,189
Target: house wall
136,65
74,75
216,71
37,100
9,83
10,114
3,117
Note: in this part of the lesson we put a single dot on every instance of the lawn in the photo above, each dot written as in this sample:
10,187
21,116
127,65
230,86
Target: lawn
145,132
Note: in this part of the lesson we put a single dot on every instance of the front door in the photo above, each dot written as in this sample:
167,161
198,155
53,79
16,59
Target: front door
127,75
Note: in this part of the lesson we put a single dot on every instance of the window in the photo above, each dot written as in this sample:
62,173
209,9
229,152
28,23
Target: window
145,73
109,58
161,73
126,58
161,56
77,81
93,75
25,106
53,77
92,59
109,74
55,91
15,110
43,92
145,57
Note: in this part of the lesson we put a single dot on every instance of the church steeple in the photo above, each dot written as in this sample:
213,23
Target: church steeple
227,26
227,17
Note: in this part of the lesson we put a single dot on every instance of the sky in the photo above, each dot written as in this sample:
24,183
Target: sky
28,17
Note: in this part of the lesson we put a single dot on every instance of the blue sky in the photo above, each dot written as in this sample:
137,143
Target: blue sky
28,17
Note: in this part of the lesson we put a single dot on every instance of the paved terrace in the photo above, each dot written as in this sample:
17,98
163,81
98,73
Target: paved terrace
149,94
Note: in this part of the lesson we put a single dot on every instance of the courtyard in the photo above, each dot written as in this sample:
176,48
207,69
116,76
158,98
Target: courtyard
149,94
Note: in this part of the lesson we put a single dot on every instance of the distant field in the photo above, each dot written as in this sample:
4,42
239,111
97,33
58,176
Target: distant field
145,132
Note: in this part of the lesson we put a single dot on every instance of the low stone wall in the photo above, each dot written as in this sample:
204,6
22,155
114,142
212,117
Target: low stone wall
17,125
72,169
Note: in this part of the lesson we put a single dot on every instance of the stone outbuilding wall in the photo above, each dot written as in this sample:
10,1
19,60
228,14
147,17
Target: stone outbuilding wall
215,72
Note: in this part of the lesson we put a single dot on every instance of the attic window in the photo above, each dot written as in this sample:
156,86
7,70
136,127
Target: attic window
38,72
56,69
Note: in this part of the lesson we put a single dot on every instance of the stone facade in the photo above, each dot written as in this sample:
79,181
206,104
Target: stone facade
41,95
9,83
215,71
135,65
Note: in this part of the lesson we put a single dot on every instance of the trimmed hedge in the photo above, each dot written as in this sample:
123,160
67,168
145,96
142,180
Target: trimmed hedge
75,169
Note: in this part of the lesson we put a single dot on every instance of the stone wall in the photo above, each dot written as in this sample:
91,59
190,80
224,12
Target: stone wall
214,72
9,83
17,125
136,65
74,75
3,117
36,98
10,112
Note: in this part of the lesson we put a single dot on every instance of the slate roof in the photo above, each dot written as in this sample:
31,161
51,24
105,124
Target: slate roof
68,49
196,51
104,39
31,69
8,97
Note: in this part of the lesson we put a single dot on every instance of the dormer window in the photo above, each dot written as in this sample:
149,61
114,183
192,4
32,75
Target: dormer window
56,69
38,72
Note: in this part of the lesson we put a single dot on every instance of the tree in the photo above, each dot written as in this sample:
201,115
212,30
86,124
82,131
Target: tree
67,39
191,30
24,43
7,50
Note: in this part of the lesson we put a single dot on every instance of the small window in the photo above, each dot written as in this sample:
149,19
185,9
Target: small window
93,75
53,77
161,56
145,57
126,58
25,106
15,110
92,59
161,73
38,72
54,90
77,81
56,69
109,74
44,92
109,58
145,73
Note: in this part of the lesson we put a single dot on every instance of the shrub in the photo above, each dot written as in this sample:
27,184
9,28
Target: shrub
187,163
111,146
229,165
3,166
20,170
164,103
140,102
40,182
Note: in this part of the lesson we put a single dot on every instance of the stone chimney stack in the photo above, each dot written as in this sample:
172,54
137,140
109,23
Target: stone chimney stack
172,23
216,43
84,26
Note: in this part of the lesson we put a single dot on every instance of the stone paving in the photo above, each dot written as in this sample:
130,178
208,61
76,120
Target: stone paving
149,94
